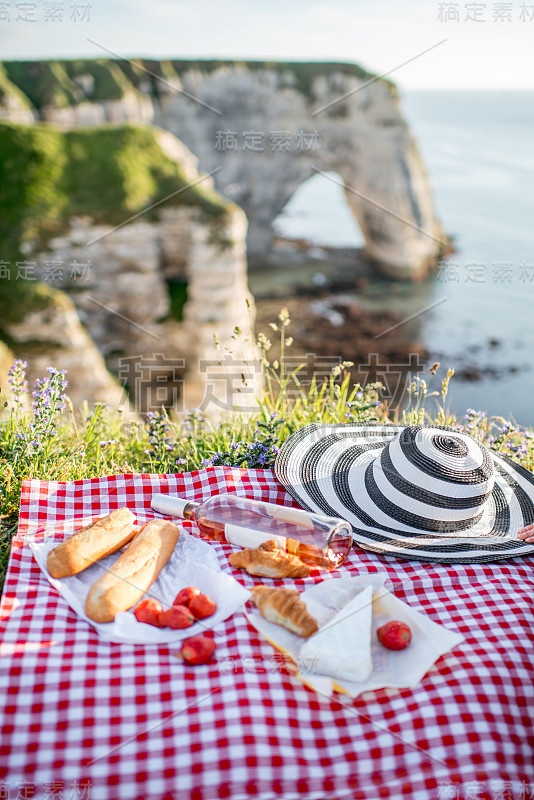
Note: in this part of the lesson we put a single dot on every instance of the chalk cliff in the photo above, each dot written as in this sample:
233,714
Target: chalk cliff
100,276
262,129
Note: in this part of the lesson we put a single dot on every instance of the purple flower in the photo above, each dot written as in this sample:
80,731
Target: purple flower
18,382
48,401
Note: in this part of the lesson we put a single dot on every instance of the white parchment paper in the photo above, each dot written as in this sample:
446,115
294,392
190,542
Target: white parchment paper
193,563
326,601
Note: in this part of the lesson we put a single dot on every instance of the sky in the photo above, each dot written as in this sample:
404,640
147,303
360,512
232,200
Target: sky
456,45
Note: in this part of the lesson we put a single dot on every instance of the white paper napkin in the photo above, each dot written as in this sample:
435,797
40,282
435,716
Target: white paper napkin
193,563
330,603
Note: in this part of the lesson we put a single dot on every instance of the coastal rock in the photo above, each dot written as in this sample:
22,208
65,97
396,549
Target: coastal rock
64,343
121,294
262,129
140,280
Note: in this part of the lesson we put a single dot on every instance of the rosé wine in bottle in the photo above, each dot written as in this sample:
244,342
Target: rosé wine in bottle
317,539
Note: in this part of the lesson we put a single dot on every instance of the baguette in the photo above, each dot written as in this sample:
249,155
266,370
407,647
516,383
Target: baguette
123,585
83,548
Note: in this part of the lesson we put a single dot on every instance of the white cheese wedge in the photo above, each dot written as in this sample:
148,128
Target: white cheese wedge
342,647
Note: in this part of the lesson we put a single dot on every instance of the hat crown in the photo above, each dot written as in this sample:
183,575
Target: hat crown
431,478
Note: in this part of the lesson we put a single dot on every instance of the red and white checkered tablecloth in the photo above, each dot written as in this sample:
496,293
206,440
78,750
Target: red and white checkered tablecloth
85,718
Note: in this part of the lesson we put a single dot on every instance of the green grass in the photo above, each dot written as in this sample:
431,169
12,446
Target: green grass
44,83
91,442
8,88
53,82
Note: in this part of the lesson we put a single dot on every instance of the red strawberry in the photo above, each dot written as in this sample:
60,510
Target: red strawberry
197,649
202,606
177,617
150,611
184,596
394,635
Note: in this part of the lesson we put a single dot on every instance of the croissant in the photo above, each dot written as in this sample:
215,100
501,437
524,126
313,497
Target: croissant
284,607
269,561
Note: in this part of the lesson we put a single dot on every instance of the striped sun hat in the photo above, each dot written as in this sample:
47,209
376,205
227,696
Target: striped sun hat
421,492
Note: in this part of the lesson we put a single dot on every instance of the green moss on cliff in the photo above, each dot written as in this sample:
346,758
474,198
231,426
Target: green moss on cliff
109,81
45,83
54,82
108,173
8,89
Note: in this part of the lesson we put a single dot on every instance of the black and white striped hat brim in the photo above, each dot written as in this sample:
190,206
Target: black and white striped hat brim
383,479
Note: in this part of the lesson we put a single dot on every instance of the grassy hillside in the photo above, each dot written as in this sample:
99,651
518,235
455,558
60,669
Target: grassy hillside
59,82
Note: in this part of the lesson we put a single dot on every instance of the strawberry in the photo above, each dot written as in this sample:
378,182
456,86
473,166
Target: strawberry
394,635
150,611
197,649
184,596
177,617
202,606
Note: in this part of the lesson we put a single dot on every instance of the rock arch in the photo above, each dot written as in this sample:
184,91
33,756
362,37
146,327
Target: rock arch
318,213
272,135
262,128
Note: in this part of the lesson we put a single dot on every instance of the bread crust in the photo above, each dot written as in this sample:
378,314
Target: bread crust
134,572
87,545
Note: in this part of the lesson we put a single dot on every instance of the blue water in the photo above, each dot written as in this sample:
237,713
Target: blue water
478,148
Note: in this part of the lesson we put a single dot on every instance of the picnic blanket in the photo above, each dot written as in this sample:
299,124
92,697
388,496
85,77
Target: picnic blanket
82,717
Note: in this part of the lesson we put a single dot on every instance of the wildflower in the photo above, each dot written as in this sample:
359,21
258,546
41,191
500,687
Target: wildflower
162,445
263,342
283,316
108,443
18,382
48,401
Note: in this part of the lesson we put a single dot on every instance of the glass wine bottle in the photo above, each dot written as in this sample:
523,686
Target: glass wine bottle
318,540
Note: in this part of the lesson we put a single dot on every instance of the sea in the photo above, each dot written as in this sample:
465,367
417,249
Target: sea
478,309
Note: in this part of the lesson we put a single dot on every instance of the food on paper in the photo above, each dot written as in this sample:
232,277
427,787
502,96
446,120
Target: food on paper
284,607
85,546
197,650
134,572
150,611
342,647
177,617
184,596
269,561
202,606
394,635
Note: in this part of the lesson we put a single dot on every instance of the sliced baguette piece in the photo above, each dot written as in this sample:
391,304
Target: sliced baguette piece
84,547
133,573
